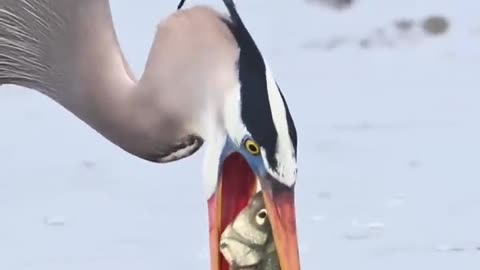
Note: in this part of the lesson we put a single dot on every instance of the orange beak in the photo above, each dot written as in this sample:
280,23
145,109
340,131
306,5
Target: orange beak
280,202
236,185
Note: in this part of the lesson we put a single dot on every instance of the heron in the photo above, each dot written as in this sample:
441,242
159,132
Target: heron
205,82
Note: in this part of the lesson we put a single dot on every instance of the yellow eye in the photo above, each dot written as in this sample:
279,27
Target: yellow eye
252,147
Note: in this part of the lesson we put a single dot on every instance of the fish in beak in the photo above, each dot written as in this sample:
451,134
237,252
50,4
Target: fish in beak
236,185
247,243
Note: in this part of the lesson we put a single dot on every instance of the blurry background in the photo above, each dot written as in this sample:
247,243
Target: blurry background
386,98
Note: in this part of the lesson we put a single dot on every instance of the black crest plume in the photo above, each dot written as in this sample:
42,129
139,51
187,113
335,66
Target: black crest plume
180,5
228,3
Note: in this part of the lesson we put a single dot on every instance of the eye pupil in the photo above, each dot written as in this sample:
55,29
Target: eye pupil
252,147
261,217
262,214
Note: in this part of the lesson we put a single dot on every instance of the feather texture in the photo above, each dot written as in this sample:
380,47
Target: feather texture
68,50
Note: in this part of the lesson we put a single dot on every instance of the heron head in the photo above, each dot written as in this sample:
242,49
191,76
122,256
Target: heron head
259,145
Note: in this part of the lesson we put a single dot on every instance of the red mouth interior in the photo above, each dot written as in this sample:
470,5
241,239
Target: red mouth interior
237,185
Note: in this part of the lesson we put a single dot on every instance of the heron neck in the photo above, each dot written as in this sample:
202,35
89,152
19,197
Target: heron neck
120,114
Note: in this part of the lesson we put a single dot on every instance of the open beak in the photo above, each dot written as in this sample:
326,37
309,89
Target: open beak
237,184
280,203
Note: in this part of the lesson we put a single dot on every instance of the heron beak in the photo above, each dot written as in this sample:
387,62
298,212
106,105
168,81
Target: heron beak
237,183
280,203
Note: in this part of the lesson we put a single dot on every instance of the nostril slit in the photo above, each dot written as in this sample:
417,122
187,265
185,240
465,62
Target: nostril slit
223,245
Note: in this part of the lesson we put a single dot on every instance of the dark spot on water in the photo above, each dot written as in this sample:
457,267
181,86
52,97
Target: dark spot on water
435,25
88,164
414,164
404,25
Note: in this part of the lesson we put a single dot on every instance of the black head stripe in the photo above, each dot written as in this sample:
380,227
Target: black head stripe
256,112
255,105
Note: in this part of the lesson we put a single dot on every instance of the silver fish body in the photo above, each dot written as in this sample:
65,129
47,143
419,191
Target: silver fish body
247,243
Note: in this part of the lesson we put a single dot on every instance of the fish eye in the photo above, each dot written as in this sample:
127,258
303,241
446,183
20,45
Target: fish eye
261,217
252,147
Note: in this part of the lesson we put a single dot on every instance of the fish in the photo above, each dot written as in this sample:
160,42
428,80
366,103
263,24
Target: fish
247,243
